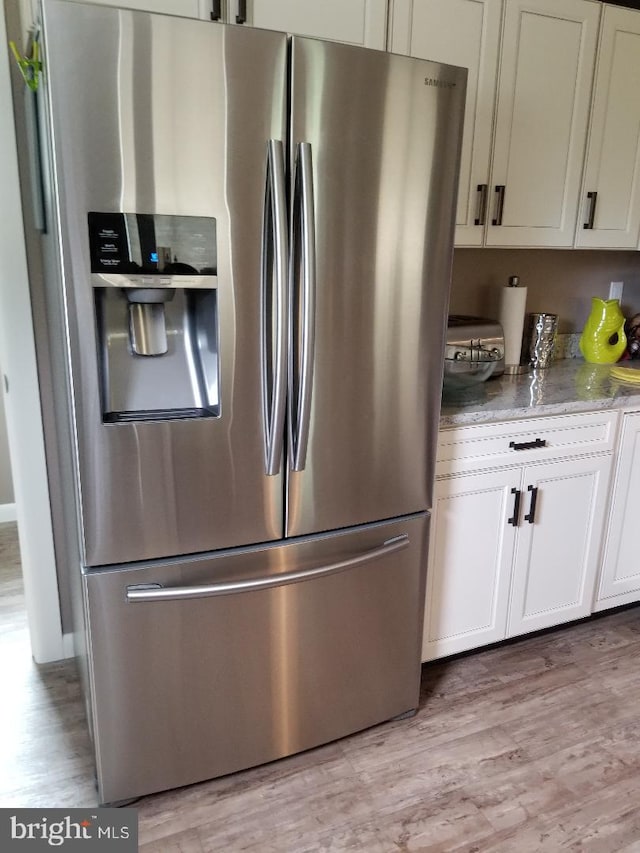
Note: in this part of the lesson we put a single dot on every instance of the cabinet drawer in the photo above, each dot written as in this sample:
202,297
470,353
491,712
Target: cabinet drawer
522,441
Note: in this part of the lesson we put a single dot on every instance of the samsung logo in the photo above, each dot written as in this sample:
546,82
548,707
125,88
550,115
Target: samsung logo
440,84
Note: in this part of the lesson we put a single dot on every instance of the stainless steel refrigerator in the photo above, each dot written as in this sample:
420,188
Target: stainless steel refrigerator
255,236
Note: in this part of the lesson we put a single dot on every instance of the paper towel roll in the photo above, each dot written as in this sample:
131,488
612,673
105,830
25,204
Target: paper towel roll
512,307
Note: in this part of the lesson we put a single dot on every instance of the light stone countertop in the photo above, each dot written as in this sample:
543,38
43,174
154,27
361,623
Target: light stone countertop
569,385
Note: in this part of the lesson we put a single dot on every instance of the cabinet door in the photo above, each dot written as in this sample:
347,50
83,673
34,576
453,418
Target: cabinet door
184,8
470,555
465,33
559,539
613,159
621,565
544,93
362,22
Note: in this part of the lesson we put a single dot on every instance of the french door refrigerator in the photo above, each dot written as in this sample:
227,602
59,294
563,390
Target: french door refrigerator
255,237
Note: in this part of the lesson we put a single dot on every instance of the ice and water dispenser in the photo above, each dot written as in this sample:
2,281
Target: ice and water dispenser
154,280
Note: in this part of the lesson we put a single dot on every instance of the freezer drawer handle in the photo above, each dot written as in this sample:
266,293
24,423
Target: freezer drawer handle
156,592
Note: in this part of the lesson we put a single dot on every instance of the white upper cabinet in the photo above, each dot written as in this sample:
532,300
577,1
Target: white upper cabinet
184,8
465,33
360,22
544,93
610,216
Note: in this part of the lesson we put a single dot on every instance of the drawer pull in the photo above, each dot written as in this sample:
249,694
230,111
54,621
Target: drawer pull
531,515
528,445
516,508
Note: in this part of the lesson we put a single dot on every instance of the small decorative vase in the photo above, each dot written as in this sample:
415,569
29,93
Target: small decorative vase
603,339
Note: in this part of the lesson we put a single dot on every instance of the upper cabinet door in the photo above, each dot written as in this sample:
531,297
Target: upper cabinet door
466,33
184,8
544,93
361,22
611,190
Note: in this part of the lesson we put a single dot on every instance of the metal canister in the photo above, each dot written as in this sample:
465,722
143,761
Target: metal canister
539,339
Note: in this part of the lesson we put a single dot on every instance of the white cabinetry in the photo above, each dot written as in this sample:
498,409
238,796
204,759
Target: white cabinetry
611,190
558,546
470,558
465,33
518,514
620,580
184,8
543,64
544,94
360,22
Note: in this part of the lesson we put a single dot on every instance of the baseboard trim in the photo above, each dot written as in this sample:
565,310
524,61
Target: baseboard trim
7,512
68,646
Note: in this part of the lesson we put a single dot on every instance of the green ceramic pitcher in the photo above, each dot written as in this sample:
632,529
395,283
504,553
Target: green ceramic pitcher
603,339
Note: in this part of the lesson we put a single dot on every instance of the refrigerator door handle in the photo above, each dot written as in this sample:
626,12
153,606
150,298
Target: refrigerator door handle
274,336
303,303
156,592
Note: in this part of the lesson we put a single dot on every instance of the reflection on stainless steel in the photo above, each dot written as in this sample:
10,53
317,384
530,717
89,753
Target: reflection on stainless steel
237,680
539,339
251,586
383,213
196,483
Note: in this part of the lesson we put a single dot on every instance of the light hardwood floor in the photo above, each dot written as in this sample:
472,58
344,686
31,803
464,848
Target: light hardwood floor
532,746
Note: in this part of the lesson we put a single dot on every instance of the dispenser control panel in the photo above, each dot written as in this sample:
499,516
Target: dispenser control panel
135,244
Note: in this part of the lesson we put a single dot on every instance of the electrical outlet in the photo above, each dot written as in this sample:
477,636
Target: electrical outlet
615,290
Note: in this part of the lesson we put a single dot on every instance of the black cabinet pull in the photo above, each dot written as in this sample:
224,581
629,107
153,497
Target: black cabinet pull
527,445
483,189
588,225
531,515
516,508
500,188
216,10
241,17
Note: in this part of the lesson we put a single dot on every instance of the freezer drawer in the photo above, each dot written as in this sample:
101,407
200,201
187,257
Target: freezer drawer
255,653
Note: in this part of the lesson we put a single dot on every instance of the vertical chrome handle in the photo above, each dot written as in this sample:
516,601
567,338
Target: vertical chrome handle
531,515
36,159
593,198
500,188
303,306
274,335
483,198
241,17
516,508
216,10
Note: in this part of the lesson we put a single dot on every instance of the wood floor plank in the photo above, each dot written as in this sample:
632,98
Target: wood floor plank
529,746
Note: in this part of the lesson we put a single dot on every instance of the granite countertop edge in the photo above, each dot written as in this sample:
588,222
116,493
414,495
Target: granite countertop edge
567,386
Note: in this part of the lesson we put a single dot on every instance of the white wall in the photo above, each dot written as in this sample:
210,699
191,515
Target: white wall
24,416
6,482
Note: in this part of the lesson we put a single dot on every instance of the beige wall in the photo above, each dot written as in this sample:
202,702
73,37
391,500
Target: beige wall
558,281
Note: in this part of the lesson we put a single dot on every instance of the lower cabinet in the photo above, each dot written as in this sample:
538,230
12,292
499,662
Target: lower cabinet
559,543
514,550
620,579
470,557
